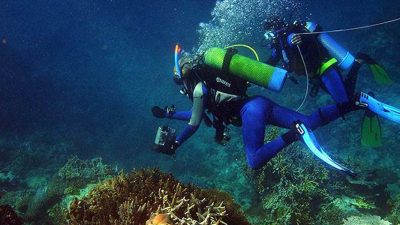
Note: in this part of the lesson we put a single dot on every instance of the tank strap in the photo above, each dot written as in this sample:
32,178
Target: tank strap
230,52
326,65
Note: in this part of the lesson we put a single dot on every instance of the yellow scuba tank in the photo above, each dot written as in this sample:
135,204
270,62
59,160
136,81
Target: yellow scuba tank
246,68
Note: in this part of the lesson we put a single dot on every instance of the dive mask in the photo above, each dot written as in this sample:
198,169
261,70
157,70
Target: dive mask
269,35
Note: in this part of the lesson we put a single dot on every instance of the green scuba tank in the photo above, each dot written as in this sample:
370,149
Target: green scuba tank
248,69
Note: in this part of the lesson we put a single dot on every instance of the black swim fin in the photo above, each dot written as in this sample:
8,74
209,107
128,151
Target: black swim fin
371,132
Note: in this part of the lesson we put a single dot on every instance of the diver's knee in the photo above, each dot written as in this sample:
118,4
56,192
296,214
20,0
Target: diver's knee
253,165
252,162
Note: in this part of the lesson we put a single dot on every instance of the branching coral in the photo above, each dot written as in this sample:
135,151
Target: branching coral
293,187
43,202
93,170
133,199
69,181
395,212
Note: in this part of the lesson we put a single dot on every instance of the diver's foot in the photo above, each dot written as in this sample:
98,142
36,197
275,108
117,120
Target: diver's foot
364,58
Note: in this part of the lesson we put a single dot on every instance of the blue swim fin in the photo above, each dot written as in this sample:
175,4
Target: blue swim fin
312,144
382,109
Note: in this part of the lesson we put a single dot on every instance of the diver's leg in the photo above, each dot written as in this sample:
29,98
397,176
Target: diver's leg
259,112
327,114
254,115
284,117
334,85
351,78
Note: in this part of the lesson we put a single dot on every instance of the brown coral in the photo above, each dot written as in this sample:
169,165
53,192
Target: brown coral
133,199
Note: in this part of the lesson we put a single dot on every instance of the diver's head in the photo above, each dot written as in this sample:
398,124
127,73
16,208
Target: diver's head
183,63
273,26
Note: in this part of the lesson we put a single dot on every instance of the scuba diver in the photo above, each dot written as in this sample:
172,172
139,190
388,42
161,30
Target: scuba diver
322,59
223,94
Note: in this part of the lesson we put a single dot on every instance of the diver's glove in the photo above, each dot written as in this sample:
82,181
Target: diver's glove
168,111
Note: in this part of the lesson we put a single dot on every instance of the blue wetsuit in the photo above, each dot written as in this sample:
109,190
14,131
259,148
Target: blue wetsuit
315,55
257,112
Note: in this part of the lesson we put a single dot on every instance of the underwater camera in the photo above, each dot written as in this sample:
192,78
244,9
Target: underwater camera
165,135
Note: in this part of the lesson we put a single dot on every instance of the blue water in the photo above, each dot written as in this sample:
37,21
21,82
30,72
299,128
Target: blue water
85,74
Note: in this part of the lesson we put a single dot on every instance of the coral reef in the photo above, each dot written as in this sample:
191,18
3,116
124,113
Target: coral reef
335,211
29,155
365,220
141,195
8,216
394,216
292,187
204,165
8,180
159,219
74,179
43,201
77,173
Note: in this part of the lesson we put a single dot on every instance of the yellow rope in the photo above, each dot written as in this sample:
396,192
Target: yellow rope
245,46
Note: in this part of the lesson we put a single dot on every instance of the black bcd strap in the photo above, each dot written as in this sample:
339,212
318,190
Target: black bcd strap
230,52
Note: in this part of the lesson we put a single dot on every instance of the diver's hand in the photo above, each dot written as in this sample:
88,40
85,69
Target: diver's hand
295,39
223,138
158,112
162,113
